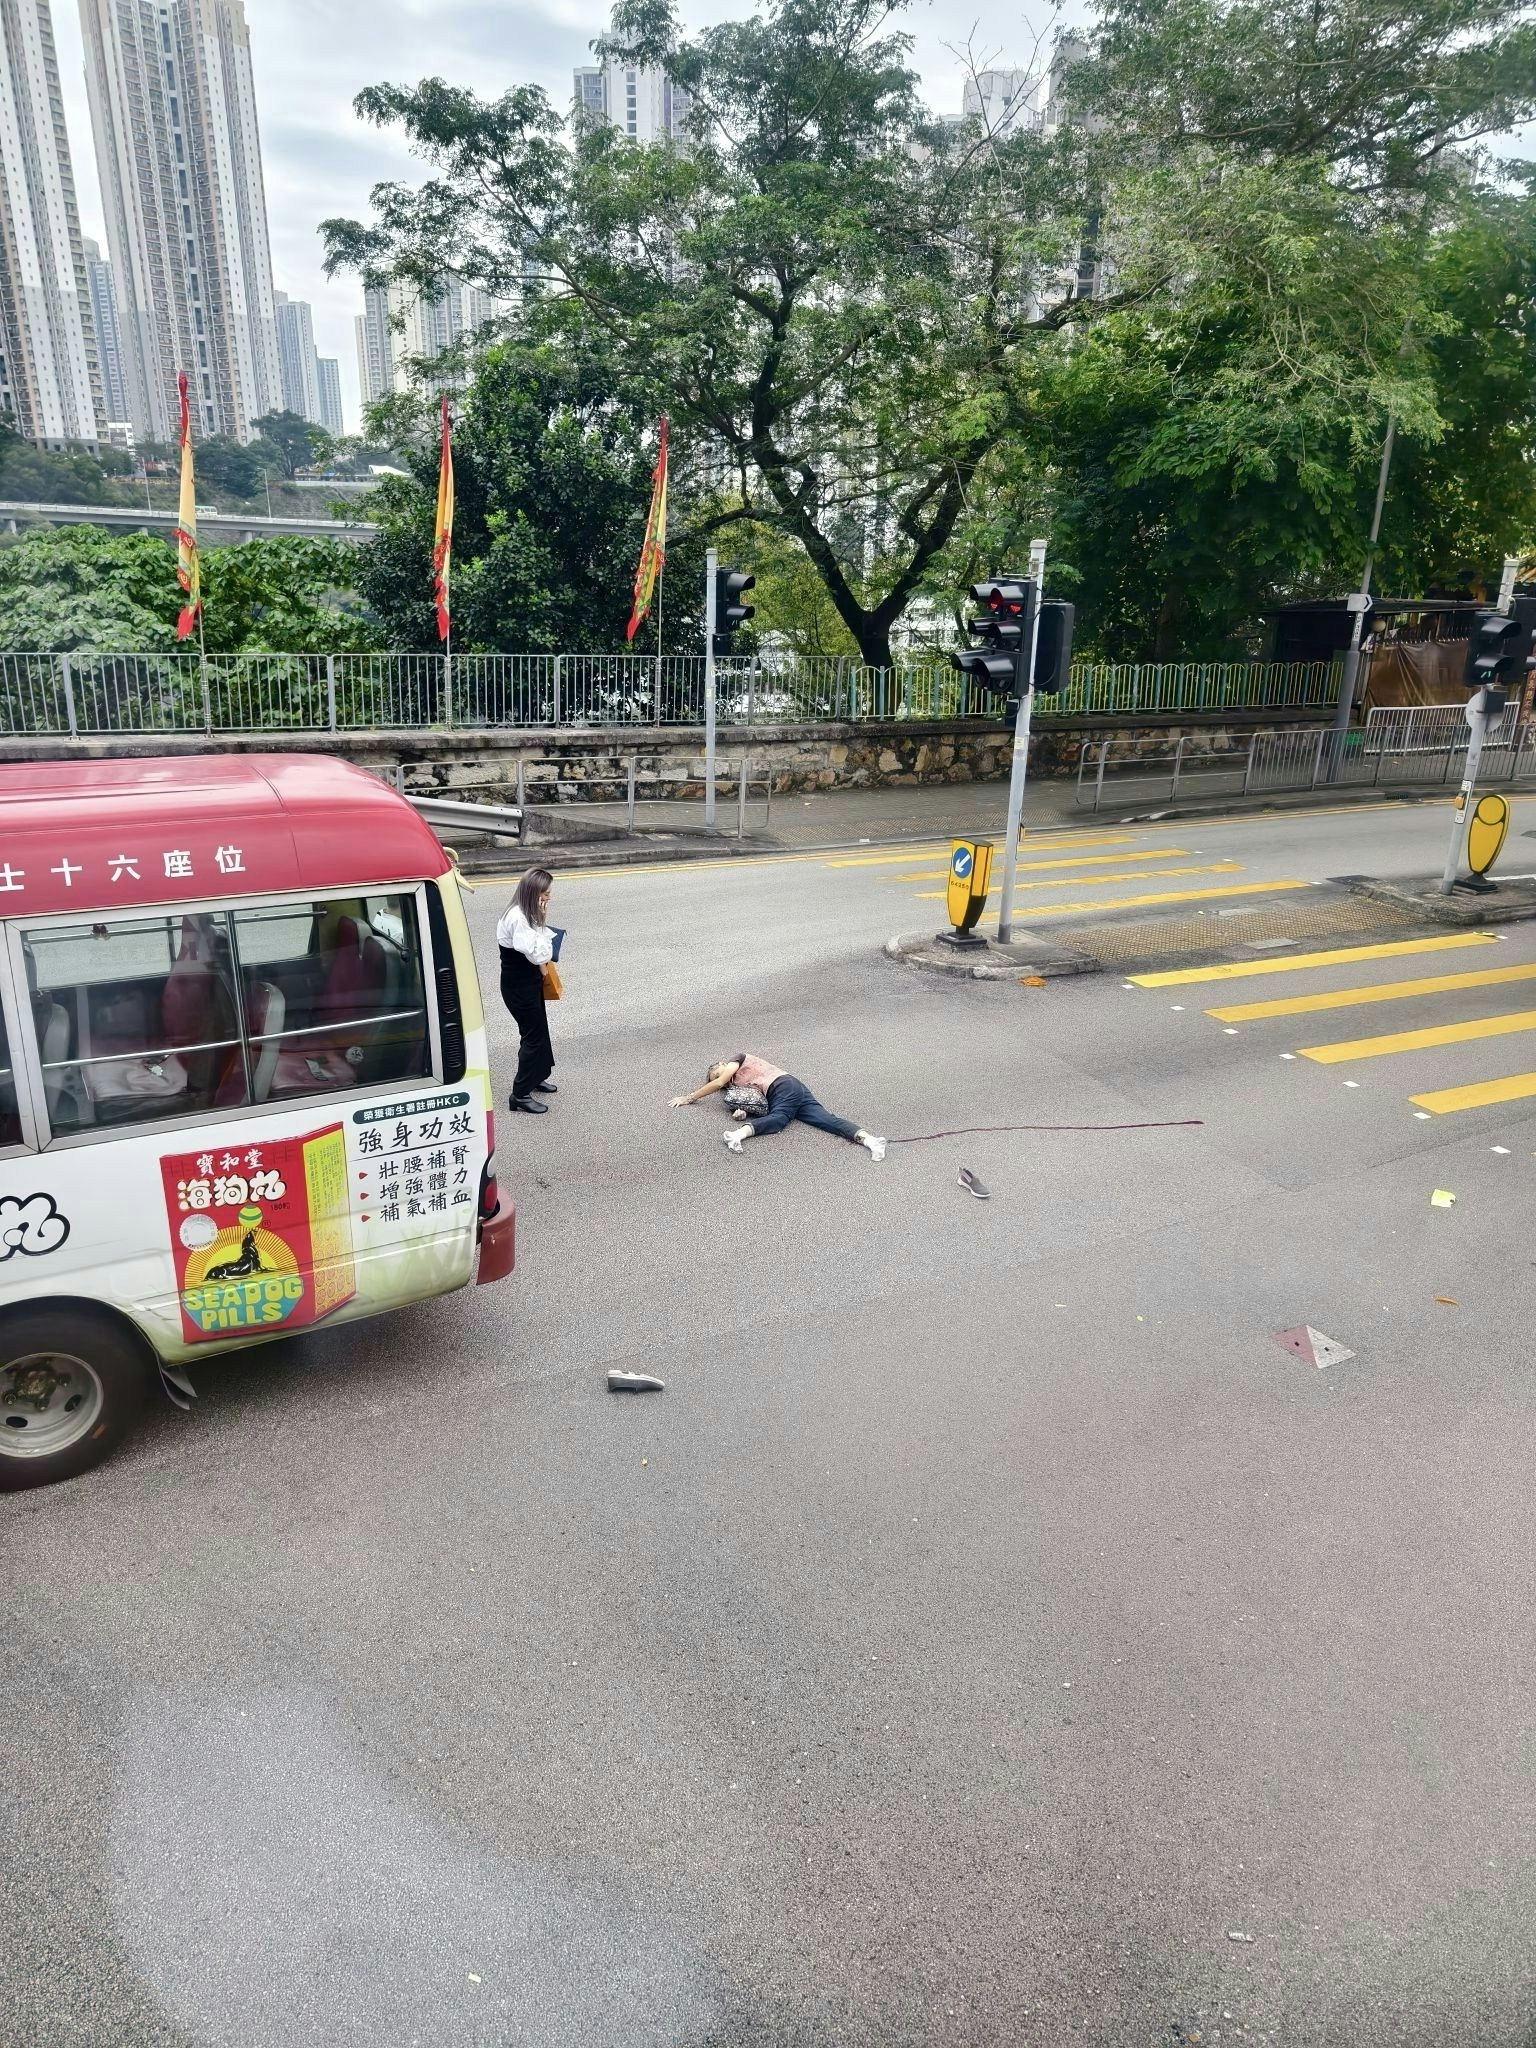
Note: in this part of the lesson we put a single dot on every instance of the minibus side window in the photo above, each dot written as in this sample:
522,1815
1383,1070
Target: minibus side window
10,1115
333,993
136,1020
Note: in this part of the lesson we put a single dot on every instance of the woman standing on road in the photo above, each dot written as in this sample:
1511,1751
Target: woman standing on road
527,943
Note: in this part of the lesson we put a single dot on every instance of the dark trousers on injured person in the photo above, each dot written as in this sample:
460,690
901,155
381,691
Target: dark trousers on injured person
522,990
790,1101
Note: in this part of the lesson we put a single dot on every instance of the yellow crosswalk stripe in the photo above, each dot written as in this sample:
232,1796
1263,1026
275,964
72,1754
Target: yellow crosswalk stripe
1341,956
1419,1041
1477,1095
1378,992
1162,896
1081,860
1219,867
885,860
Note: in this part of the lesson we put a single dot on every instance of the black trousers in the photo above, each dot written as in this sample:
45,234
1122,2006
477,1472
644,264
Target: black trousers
790,1101
536,1056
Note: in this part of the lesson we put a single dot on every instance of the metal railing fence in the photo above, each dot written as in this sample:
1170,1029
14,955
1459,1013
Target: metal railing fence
1420,744
133,694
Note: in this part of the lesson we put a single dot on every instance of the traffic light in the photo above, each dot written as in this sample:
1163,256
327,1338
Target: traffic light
731,586
1053,647
1499,653
1002,629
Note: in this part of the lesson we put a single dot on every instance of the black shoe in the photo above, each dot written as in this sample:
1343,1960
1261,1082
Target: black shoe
527,1102
546,1087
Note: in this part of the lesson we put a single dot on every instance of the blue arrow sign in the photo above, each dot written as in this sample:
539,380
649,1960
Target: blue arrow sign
961,864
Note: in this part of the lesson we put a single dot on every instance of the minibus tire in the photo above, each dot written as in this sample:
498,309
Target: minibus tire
117,1385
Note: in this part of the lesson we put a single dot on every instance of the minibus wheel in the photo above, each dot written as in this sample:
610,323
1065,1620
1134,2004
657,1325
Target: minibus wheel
72,1383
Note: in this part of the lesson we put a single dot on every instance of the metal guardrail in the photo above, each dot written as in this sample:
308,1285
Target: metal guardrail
507,821
498,821
1423,744
98,695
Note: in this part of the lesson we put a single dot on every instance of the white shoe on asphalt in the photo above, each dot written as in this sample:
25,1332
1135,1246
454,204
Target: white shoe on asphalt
875,1146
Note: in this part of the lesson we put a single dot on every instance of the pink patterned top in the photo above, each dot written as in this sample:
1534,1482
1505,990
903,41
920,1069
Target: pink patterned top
756,1073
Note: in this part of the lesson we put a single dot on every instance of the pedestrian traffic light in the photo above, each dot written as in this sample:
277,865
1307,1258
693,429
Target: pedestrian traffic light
731,585
1053,647
1002,630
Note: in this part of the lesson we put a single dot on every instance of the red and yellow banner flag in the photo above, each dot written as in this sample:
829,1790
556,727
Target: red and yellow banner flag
442,536
653,550
188,572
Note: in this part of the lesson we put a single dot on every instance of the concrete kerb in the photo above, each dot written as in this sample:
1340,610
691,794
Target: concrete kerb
1022,957
1512,901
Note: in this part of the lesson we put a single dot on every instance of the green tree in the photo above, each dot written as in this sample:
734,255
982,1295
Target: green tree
80,588
835,294
41,476
860,318
1388,95
225,465
297,442
1212,452
1460,503
552,479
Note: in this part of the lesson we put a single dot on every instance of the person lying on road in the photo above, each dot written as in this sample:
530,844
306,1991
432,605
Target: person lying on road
748,1077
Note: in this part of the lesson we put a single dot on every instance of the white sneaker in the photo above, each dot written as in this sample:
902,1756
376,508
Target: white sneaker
876,1146
734,1140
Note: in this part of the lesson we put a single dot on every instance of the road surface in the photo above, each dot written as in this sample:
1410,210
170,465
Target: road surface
993,1634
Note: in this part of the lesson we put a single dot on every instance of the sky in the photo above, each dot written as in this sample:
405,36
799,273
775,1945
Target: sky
312,56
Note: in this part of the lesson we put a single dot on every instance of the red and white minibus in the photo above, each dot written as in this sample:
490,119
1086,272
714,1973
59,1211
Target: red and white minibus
244,1085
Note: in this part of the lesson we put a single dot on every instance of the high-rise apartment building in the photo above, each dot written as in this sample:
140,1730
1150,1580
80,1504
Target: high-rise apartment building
173,106
1005,101
109,338
375,353
329,373
49,380
296,357
401,327
640,101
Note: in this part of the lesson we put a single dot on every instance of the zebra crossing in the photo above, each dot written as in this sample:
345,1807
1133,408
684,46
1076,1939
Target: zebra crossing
1435,1025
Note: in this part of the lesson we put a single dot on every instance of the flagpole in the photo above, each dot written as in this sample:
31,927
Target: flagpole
202,655
661,578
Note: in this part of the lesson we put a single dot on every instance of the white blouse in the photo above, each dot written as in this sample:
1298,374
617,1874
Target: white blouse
536,942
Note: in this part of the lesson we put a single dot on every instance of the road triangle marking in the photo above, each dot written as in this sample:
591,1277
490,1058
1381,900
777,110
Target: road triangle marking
1313,1346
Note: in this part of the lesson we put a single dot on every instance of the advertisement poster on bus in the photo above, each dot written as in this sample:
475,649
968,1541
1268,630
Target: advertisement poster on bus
261,1234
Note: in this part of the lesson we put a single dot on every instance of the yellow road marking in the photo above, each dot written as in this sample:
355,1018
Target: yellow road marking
886,860
1082,860
1417,1041
1379,992
1221,867
1477,1095
1038,836
1342,956
1162,896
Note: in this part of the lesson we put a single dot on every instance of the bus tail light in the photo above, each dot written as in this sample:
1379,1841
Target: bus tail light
498,1223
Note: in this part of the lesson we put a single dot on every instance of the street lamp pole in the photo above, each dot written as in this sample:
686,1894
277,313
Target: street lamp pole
1359,603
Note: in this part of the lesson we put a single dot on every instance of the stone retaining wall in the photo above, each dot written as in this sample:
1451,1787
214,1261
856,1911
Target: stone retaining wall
570,766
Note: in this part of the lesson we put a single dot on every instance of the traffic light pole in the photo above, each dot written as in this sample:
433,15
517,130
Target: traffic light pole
711,565
1025,683
1480,721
